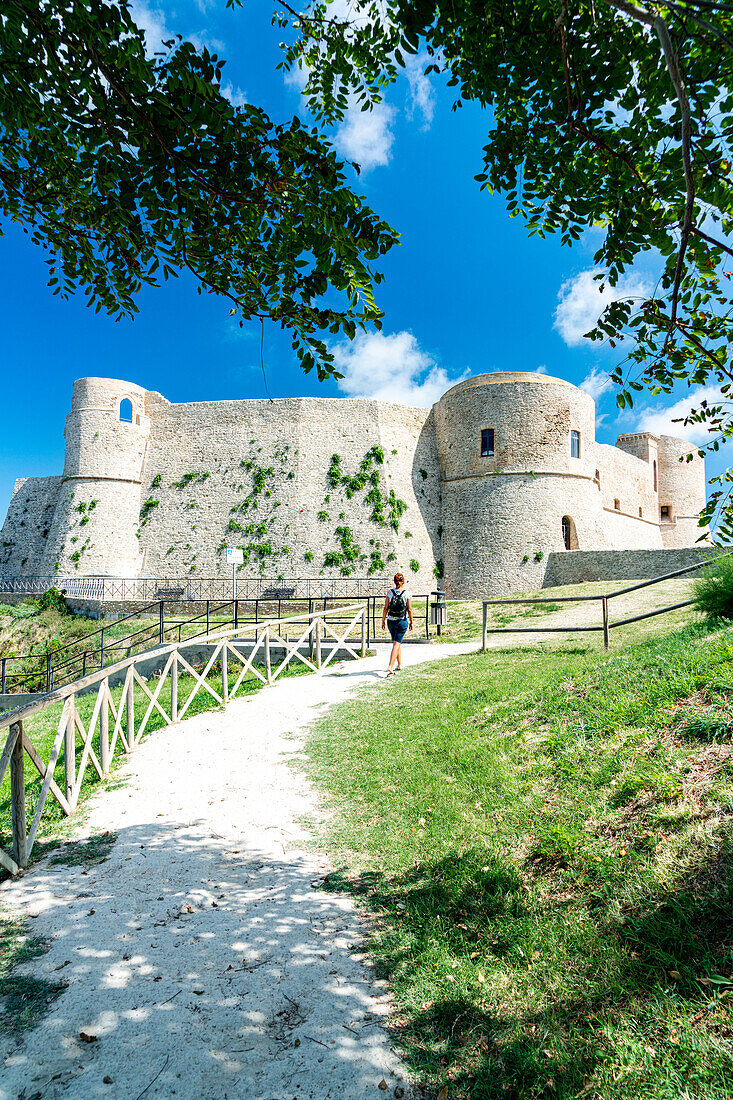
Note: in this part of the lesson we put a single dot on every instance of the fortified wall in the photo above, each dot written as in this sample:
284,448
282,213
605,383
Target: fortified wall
502,471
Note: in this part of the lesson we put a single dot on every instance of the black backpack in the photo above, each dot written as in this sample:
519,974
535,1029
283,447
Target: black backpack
398,604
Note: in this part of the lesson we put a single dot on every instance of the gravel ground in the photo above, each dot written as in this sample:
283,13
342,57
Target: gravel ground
202,959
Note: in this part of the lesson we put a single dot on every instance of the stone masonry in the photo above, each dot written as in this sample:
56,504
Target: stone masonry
312,487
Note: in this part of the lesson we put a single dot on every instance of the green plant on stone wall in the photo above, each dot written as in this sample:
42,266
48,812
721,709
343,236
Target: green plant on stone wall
376,562
323,517
146,509
525,559
414,565
539,555
423,474
83,521
234,526
92,505
308,555
438,569
156,481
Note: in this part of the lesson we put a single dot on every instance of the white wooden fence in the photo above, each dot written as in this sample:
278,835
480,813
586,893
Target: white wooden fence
325,634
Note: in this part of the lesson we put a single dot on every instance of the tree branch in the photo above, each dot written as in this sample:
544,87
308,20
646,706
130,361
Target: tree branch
662,30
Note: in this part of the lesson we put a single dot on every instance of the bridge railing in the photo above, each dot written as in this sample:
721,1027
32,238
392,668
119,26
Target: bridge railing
234,657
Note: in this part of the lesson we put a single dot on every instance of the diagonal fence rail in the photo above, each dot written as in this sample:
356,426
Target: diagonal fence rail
254,652
606,625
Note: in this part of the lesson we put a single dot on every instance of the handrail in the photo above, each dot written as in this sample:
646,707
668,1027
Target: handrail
61,693
606,626
112,724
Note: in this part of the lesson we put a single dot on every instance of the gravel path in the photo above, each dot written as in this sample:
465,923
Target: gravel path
200,956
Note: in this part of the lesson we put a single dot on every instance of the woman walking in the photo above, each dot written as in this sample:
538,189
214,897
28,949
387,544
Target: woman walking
397,614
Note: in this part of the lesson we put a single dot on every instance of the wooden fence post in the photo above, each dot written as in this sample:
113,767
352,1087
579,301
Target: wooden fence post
268,656
104,727
174,687
17,796
318,643
224,673
130,715
363,632
70,753
485,624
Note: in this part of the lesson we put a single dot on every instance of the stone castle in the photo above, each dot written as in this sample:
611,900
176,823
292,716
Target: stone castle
503,470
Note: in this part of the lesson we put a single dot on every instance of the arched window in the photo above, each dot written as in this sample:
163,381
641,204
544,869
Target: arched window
126,410
575,444
655,476
569,536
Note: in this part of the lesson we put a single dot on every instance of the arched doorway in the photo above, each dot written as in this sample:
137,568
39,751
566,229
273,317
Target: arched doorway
569,534
126,410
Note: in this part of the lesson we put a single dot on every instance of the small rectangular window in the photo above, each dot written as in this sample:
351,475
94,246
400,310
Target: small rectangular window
575,444
487,442
664,511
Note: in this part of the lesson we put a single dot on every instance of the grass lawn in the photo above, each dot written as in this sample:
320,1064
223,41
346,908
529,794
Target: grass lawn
543,839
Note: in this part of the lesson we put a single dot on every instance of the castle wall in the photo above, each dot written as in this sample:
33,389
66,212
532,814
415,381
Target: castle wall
621,565
228,445
24,536
95,523
631,482
500,509
314,487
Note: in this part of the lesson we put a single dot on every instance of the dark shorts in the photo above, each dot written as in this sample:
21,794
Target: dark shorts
397,628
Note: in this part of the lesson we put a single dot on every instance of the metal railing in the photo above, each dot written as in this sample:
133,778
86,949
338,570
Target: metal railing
42,672
193,590
603,598
114,725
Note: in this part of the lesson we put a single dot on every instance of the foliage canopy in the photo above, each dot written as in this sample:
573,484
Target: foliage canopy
602,113
129,168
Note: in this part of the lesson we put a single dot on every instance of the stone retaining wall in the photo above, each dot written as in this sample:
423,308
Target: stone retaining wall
578,566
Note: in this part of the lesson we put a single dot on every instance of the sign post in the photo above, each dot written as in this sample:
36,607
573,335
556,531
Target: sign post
235,557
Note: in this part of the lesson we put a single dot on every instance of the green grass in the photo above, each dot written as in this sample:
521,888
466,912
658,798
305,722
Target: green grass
24,999
544,840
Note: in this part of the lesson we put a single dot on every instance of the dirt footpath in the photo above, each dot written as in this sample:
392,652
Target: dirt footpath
201,958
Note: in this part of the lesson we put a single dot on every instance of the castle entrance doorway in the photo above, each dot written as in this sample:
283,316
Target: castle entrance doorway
569,535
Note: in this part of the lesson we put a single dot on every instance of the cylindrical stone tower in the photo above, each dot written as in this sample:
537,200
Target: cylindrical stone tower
517,462
682,492
98,513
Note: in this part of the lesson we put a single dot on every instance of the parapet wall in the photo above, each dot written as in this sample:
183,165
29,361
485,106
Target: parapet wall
620,565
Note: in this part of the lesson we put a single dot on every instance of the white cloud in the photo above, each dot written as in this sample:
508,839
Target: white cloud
581,302
391,368
422,100
366,136
234,94
596,383
542,369
661,421
152,22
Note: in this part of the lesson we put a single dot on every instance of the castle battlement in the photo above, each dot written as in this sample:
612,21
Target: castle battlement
505,467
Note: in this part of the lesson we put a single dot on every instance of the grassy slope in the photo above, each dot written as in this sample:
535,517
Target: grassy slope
544,837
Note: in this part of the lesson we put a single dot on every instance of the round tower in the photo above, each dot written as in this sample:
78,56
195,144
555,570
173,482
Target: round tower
97,517
682,492
517,462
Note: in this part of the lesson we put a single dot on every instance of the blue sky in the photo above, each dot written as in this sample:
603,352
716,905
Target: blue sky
465,292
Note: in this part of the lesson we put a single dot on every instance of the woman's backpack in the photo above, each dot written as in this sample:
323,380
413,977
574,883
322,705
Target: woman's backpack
397,604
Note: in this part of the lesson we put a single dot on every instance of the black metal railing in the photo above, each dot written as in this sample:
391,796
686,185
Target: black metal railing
195,590
160,625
